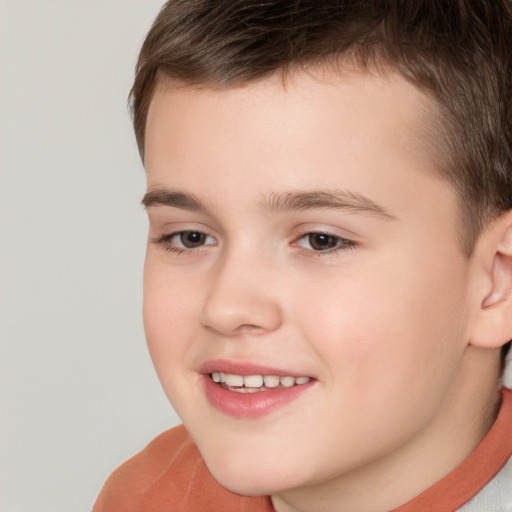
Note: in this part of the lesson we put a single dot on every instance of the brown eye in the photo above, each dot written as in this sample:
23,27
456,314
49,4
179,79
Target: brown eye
322,241
185,241
192,239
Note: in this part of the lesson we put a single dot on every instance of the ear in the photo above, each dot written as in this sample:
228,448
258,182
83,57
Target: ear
493,324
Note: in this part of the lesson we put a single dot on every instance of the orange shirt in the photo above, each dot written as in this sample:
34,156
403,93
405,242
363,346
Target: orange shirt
169,475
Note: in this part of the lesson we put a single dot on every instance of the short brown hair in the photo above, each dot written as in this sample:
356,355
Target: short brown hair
458,51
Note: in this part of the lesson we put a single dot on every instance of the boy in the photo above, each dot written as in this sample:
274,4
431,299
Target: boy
328,279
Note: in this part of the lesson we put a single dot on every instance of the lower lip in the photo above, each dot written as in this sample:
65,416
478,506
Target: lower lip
251,405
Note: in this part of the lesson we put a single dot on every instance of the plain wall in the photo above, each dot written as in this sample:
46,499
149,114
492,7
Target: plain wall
78,391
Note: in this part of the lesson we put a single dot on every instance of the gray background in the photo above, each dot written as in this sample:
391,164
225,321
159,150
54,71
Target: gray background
78,393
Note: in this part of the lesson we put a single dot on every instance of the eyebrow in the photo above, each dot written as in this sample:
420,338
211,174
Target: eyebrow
328,199
162,197
278,202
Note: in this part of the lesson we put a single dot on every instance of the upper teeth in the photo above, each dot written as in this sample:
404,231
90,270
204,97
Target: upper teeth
256,381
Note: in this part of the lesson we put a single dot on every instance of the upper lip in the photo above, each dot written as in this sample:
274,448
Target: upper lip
244,369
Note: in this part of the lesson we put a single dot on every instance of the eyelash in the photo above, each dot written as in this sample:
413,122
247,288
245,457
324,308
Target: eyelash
342,244
166,242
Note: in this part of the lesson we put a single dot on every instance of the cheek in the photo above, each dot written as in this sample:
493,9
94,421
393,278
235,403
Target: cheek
390,347
376,330
169,312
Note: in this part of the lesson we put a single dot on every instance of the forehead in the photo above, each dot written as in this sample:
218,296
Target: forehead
316,127
297,99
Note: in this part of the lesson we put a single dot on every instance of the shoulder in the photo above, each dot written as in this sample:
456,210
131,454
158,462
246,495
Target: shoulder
482,482
129,483
170,474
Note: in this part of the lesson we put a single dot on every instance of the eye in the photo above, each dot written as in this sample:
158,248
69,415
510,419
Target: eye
185,241
191,239
323,242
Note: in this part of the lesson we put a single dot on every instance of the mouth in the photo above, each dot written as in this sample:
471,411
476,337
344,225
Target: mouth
246,391
256,383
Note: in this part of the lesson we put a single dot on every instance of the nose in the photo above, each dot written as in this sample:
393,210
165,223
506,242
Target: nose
241,299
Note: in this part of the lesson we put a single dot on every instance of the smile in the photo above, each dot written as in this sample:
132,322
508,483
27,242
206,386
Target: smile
255,383
249,391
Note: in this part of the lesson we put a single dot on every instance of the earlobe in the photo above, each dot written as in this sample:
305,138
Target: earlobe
493,327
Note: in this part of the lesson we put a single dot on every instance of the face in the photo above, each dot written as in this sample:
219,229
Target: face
304,290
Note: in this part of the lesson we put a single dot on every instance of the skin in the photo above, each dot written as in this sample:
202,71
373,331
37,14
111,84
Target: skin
382,323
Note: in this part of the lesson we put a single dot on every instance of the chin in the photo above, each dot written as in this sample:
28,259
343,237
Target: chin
250,485
251,478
